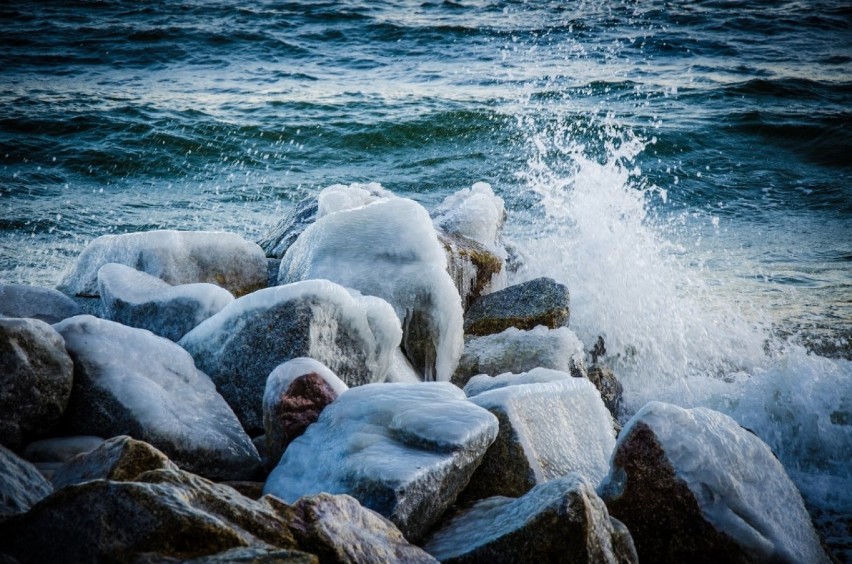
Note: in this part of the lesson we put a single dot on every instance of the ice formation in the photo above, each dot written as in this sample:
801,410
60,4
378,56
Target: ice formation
484,382
44,304
475,213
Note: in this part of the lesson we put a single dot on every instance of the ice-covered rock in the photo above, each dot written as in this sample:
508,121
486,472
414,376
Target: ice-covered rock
45,304
121,459
353,335
177,257
130,382
542,301
401,370
241,555
694,486
475,269
560,521
21,485
137,299
515,350
295,395
403,450
484,382
475,213
608,385
547,430
387,248
35,379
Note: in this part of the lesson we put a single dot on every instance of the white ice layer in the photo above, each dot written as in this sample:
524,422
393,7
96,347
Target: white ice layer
475,213
340,197
484,382
741,488
280,379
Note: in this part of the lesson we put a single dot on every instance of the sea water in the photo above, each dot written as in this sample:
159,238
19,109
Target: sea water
683,167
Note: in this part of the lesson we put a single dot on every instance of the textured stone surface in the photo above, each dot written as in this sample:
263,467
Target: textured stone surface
244,555
21,485
560,521
60,449
130,382
471,265
45,304
278,240
35,379
542,301
608,385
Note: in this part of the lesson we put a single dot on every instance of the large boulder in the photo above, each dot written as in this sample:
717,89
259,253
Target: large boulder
177,257
295,395
547,430
21,485
353,335
560,521
388,248
130,382
35,379
403,450
542,301
474,268
45,304
694,486
137,299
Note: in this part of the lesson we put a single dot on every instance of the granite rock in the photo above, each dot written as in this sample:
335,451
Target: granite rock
542,301
21,485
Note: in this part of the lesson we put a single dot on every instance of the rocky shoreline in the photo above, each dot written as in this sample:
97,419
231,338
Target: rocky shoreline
361,386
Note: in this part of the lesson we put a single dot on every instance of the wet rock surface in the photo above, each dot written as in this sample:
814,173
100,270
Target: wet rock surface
542,301
21,485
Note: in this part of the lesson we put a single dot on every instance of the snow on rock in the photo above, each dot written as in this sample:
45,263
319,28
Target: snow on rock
387,248
130,382
35,379
560,521
474,213
694,486
137,299
547,430
177,257
353,335
296,393
403,450
45,304
542,301
484,382
475,269
515,350
21,485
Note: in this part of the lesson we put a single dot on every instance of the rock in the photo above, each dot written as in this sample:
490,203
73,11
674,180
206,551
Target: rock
239,347
165,512
560,521
693,486
475,270
517,351
278,240
473,213
403,450
386,247
44,304
547,430
484,383
130,382
272,267
249,555
21,486
35,379
608,385
542,301
121,459
177,257
61,449
296,393
252,490
89,305
140,300
338,529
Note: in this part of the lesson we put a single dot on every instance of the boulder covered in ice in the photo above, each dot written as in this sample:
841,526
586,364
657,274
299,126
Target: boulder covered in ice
516,350
692,485
542,301
560,521
475,269
21,485
136,299
177,257
484,383
295,395
35,379
386,247
239,347
130,382
474,213
608,385
45,304
547,430
403,450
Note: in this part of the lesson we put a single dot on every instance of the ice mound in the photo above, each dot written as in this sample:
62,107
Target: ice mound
44,304
475,213
483,382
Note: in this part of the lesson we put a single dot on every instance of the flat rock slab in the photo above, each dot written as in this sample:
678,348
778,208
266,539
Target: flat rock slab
131,382
403,450
21,485
44,304
694,486
542,301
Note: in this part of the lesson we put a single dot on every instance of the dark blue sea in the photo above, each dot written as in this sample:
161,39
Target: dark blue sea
684,167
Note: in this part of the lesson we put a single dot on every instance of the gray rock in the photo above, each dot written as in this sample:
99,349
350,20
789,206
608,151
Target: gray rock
240,346
177,257
121,459
471,265
21,485
560,521
60,449
248,555
547,430
542,301
137,299
45,304
130,382
35,379
693,486
608,385
403,450
278,240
